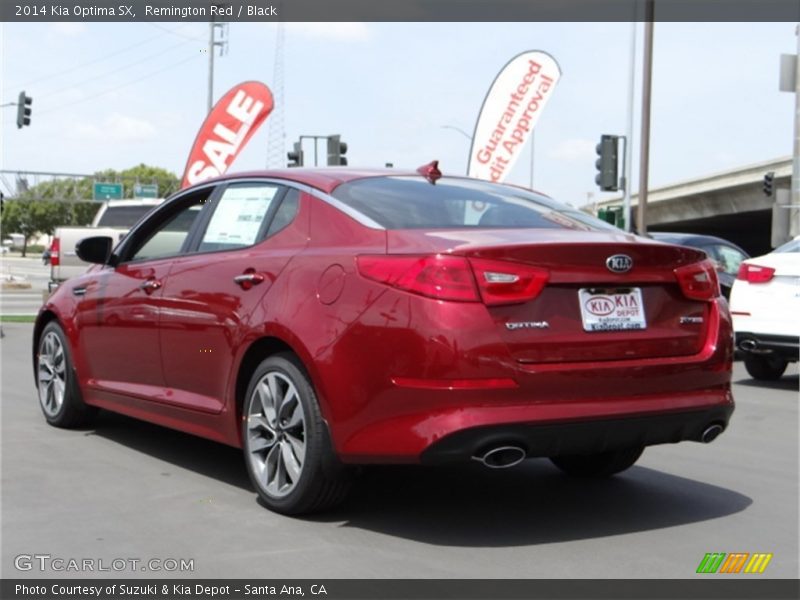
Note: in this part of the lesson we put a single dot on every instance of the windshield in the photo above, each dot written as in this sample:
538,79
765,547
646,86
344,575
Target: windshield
414,203
793,246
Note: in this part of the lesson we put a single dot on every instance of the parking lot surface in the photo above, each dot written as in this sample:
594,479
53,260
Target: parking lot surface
127,489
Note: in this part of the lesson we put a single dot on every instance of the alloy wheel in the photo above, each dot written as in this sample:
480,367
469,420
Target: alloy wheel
276,434
52,374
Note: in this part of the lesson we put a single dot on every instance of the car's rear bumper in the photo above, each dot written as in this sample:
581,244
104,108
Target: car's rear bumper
785,346
579,437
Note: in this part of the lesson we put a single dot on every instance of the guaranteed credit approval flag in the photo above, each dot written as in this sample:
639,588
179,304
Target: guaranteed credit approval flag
227,128
510,112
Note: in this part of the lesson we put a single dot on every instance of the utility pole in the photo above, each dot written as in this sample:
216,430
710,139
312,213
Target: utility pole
213,43
795,200
626,202
644,152
786,211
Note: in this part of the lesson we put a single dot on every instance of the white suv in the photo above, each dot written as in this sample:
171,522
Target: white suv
765,304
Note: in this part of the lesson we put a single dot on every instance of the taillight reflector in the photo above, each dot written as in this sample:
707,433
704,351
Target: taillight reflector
502,282
456,384
447,277
439,276
755,273
698,281
55,249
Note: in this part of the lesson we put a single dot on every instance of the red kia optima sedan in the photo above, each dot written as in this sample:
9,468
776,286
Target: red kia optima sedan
320,319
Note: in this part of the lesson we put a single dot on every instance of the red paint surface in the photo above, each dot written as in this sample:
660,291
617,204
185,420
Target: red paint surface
141,354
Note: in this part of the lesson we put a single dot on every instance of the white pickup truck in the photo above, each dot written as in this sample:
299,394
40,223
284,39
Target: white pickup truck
114,219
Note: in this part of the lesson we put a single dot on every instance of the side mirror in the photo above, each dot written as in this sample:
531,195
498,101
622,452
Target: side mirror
94,250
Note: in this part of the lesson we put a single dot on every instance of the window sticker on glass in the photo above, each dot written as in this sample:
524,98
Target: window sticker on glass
239,215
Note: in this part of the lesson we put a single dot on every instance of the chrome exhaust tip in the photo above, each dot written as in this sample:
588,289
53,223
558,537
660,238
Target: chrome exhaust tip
502,457
710,433
748,345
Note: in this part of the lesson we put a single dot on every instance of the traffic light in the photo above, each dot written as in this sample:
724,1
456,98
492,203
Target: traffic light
336,151
24,110
769,183
606,164
296,156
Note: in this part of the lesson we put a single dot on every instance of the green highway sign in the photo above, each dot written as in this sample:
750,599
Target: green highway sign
107,191
145,190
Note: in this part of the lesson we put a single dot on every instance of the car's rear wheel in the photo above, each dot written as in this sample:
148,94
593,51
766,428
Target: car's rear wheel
59,394
764,366
287,448
603,464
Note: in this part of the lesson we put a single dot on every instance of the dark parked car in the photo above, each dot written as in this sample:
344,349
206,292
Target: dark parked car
325,318
726,255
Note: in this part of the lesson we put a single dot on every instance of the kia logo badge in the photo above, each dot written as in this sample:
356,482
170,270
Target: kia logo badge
619,263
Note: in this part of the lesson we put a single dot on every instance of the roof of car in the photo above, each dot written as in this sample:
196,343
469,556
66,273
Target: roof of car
325,179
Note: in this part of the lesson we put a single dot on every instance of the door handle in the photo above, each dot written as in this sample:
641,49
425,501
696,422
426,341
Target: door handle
150,286
247,280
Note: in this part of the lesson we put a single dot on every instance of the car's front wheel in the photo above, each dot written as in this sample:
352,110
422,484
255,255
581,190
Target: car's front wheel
287,448
59,394
603,464
764,366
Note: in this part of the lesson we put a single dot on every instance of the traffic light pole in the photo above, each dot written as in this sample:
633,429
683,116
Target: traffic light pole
315,138
644,153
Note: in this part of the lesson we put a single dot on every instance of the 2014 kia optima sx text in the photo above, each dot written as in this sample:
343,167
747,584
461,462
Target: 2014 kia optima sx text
320,319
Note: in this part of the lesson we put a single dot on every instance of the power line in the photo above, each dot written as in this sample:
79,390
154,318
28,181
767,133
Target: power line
75,84
104,57
174,32
86,64
115,88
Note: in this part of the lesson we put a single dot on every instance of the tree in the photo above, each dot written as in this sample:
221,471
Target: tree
83,189
18,218
29,217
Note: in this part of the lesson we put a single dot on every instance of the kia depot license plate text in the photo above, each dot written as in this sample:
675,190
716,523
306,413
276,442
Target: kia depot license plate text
612,309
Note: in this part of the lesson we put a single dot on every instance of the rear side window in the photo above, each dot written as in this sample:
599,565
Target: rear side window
286,212
123,216
239,217
414,203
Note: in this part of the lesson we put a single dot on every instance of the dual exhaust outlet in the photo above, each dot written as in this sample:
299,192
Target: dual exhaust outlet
504,457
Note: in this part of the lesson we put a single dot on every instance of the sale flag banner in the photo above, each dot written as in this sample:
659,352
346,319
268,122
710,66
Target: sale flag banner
226,130
509,113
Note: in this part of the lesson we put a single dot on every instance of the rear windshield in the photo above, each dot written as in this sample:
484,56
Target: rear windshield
414,203
793,246
123,216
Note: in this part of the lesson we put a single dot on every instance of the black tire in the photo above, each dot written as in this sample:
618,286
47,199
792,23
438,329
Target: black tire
604,464
271,442
765,367
54,361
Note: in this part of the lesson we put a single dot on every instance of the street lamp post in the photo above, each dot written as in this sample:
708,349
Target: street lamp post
466,135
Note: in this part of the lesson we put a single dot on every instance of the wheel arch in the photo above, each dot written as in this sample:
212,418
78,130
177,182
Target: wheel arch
267,345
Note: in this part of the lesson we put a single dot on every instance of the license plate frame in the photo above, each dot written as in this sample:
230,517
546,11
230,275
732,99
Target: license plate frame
612,309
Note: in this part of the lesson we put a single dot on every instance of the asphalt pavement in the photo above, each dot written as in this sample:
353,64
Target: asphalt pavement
124,489
33,271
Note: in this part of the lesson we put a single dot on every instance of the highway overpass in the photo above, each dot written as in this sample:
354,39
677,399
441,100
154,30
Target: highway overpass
731,205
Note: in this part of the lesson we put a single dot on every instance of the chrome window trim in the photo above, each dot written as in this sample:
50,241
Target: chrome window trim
319,194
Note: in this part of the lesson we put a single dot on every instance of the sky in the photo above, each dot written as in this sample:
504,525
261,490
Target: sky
110,95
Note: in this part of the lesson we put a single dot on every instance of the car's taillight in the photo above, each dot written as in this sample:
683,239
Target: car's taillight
55,249
439,276
755,273
698,281
502,282
447,277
